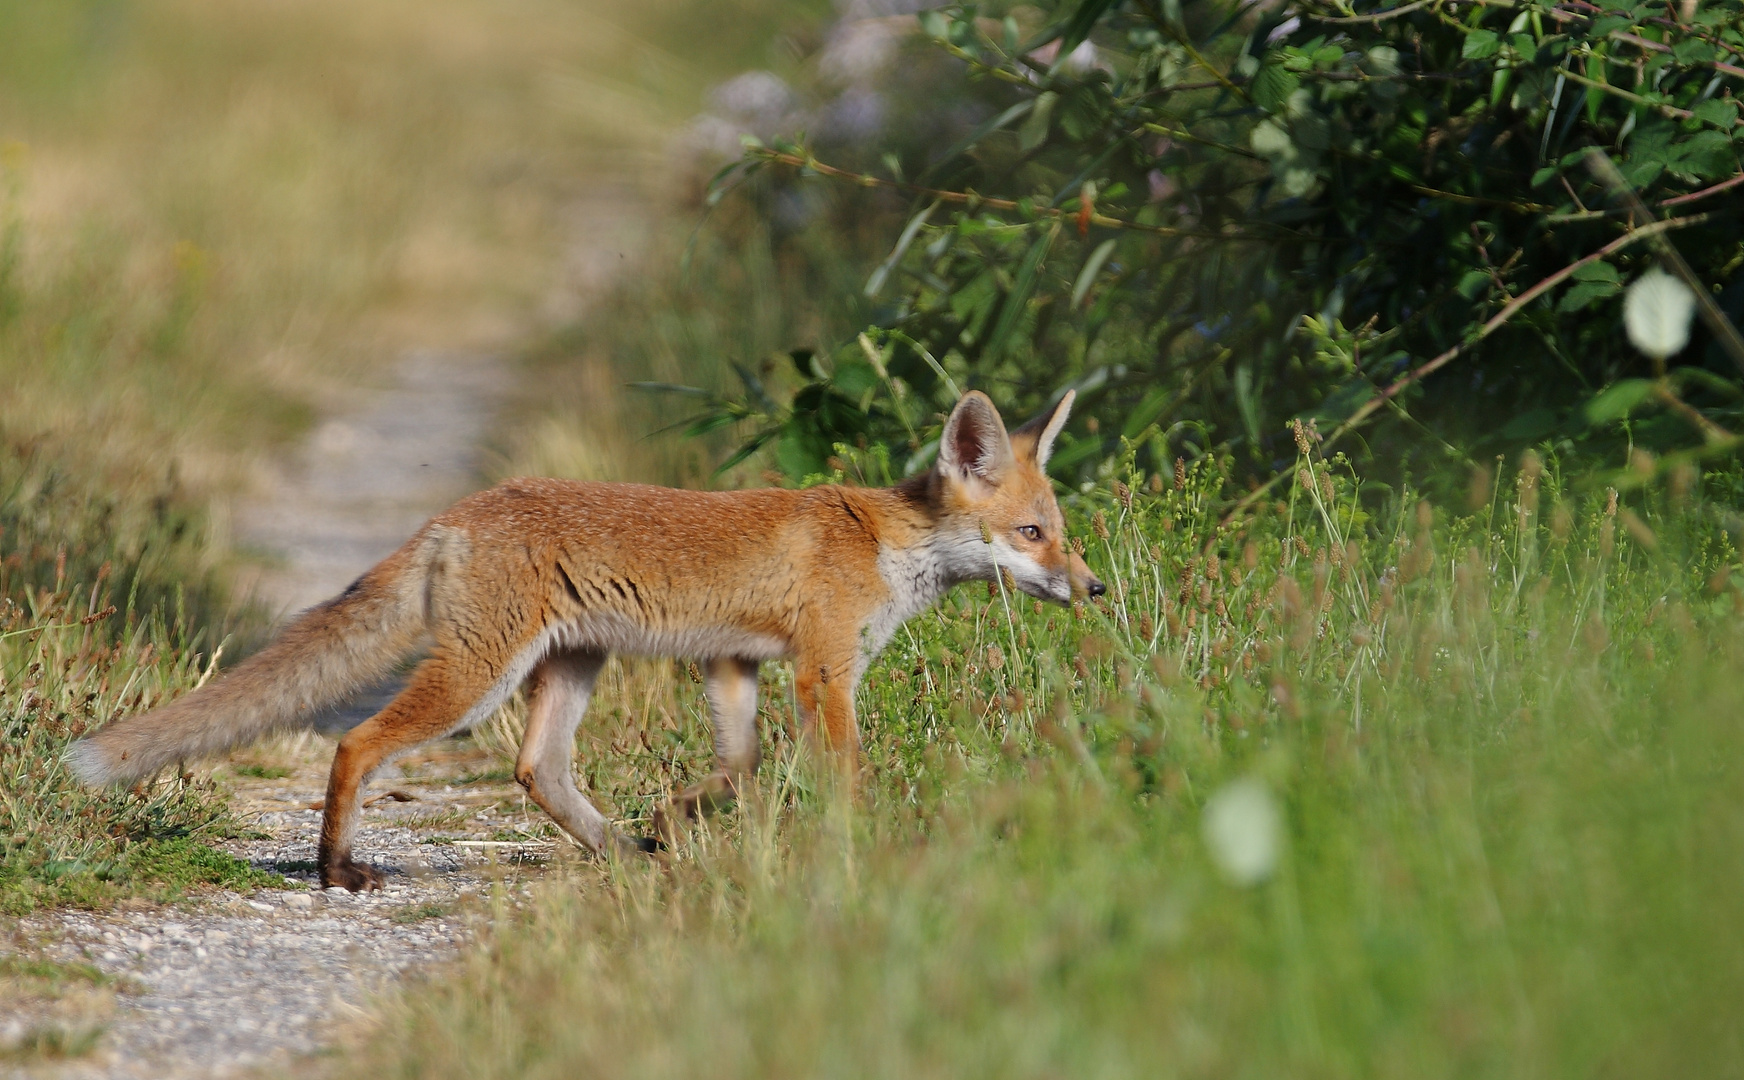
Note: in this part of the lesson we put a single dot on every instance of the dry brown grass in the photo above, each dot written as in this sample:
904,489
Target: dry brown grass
228,215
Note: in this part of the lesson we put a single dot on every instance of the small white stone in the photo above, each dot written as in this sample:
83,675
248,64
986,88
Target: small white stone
299,900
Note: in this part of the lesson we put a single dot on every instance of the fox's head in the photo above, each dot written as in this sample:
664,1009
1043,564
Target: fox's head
997,502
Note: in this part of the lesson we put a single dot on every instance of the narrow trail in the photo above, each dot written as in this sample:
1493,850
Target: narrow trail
366,479
226,984
229,984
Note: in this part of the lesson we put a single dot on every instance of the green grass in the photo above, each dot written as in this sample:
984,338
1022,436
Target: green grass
53,973
452,818
498,775
52,1042
1502,745
33,978
66,669
262,772
417,913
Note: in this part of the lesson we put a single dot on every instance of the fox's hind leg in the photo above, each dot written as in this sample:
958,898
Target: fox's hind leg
732,695
562,685
440,693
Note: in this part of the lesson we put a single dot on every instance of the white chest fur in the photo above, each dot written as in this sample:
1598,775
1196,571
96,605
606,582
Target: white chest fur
916,577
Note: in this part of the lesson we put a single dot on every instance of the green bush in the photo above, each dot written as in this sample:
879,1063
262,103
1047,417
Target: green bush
1389,223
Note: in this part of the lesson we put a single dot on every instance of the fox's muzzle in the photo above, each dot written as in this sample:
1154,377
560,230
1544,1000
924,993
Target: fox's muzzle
1084,583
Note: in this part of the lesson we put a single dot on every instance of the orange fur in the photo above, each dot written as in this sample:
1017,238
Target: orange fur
540,580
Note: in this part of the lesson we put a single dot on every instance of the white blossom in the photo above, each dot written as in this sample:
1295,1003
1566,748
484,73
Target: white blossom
1244,831
1656,312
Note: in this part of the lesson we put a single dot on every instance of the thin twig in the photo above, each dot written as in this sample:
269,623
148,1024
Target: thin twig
973,199
1711,432
1496,322
1182,133
1720,326
1693,196
1375,18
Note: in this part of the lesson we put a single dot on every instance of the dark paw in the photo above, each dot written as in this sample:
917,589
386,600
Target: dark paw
350,875
670,821
640,845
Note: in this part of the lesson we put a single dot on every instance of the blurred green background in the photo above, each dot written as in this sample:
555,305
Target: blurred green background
1468,677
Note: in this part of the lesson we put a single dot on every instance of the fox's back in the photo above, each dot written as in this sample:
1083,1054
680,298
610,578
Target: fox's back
644,569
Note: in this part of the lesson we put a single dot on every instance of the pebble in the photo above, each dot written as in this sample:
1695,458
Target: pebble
231,983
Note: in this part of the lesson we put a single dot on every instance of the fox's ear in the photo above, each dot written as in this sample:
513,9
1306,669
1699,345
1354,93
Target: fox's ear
974,445
1036,438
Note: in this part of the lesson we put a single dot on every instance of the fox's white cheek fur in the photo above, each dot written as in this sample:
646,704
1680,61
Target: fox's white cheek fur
1031,576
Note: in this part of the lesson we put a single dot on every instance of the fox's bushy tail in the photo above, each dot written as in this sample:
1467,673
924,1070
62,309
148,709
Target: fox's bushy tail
328,652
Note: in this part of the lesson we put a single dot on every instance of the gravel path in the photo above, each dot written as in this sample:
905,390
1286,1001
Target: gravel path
366,479
230,984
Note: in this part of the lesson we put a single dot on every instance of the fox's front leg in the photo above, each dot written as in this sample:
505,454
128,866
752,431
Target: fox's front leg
824,684
732,696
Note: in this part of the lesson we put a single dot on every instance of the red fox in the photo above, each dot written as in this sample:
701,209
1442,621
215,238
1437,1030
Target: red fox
540,580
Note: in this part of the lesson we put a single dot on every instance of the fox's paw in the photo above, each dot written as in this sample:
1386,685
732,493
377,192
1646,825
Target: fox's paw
640,845
357,877
667,824
716,791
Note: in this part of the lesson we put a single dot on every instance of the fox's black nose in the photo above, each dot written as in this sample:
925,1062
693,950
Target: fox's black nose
1096,587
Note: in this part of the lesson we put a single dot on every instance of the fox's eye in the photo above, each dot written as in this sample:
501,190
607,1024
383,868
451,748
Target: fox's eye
1030,532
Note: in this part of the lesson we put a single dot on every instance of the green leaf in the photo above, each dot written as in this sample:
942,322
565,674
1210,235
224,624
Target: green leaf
1598,271
875,283
1247,401
1529,425
708,422
1092,267
1018,298
1145,411
1617,400
1035,126
1473,283
800,452
855,377
671,388
1272,87
1707,155
1585,294
1641,174
1693,51
1720,112
1342,403
1480,45
1709,381
1545,175
981,131
751,446
1081,23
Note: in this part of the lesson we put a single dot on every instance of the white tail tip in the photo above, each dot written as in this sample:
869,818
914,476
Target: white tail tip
88,764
